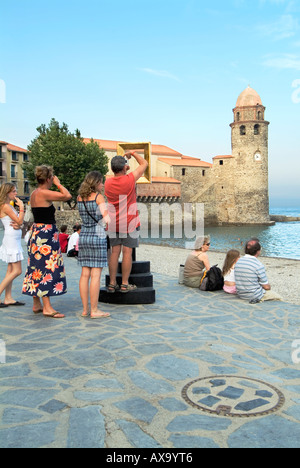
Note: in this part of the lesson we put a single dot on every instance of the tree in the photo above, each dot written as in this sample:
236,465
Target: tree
66,152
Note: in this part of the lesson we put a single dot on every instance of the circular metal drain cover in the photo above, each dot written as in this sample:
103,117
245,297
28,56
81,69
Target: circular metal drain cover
233,396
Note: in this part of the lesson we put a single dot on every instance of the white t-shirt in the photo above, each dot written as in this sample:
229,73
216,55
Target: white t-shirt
230,276
73,241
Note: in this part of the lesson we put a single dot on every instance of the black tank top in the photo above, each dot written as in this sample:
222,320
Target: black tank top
44,215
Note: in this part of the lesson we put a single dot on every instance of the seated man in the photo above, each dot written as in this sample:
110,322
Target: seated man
124,224
250,276
73,239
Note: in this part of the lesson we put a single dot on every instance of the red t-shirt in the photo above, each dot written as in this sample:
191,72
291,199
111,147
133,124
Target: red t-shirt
122,205
63,240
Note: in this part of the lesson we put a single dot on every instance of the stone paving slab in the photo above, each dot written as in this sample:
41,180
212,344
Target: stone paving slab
117,382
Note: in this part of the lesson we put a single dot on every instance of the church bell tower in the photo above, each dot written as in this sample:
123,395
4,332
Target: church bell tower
249,141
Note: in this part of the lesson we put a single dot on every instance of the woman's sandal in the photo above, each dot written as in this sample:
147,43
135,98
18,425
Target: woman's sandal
112,288
54,315
125,288
100,315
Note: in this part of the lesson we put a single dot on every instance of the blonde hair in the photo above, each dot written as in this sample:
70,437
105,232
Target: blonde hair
90,184
5,189
202,241
231,257
43,173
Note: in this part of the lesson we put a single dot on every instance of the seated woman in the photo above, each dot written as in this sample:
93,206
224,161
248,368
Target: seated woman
196,263
231,258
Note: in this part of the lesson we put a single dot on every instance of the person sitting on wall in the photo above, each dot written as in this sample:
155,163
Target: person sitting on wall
123,228
196,263
250,276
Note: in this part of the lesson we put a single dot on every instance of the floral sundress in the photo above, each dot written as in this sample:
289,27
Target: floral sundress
45,275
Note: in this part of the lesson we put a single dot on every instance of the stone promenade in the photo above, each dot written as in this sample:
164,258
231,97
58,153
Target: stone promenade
195,369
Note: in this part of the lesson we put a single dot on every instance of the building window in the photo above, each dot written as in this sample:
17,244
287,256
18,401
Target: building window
183,172
256,129
237,116
203,172
14,156
242,130
259,115
13,172
1,173
26,187
221,162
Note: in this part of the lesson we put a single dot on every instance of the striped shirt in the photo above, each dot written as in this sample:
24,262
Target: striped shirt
250,274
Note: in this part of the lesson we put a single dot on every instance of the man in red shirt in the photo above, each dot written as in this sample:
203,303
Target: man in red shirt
124,224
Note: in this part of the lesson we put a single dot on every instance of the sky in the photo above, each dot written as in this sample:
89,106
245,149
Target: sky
164,71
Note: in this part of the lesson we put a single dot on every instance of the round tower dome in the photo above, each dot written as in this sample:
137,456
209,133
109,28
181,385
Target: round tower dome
248,97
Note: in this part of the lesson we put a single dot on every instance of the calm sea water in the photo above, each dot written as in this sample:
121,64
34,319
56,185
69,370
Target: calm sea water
280,240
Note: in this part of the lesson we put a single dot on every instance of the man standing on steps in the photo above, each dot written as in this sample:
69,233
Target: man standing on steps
124,225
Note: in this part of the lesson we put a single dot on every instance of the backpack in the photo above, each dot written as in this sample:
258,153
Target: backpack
215,280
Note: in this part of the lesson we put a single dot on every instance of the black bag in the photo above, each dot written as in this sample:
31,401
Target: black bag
215,280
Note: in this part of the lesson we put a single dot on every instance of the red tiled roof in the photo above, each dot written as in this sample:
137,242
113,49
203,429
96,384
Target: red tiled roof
223,156
16,148
11,147
165,180
193,162
111,145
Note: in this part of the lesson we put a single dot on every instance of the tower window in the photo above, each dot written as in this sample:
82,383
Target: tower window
237,116
203,172
256,129
259,117
242,130
183,172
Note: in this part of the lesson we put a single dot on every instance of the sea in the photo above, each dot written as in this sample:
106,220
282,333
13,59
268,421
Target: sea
280,240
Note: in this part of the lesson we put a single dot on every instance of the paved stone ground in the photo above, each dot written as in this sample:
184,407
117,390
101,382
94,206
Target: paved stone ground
117,382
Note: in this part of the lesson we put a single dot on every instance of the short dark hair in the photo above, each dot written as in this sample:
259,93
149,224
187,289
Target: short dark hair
117,164
252,247
63,228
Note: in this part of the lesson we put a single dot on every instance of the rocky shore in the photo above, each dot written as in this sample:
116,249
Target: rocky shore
283,274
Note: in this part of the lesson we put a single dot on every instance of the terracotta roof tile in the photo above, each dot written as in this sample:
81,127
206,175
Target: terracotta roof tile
16,148
11,147
223,156
111,145
185,162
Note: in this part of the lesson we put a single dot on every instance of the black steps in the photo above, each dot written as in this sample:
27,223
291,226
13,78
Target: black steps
141,277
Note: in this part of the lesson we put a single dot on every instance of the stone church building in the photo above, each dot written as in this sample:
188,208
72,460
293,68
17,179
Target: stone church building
233,188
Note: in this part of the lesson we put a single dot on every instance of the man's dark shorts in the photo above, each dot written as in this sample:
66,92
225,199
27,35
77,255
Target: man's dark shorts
130,240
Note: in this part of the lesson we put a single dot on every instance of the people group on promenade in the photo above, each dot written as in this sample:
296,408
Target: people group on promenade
45,275
115,226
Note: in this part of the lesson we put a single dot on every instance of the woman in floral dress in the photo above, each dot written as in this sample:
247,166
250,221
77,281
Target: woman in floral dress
45,276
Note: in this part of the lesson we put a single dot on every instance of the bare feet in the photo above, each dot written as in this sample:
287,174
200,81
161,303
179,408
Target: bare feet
37,306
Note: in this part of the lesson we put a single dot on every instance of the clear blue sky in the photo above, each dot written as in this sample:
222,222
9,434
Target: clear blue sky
165,71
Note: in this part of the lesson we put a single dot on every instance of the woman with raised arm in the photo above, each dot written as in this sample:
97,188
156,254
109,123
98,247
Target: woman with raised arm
11,251
45,276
